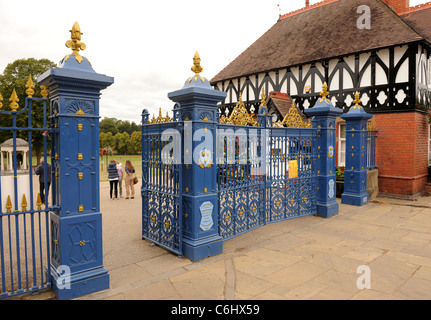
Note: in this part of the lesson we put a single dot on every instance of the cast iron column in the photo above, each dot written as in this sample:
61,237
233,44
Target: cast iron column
199,110
355,173
324,116
76,220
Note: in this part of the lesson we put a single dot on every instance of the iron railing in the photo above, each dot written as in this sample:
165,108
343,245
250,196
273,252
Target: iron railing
24,219
371,149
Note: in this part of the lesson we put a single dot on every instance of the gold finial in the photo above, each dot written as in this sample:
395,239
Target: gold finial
39,202
357,101
1,99
8,205
197,69
324,93
263,97
371,125
24,203
30,87
76,43
14,101
44,91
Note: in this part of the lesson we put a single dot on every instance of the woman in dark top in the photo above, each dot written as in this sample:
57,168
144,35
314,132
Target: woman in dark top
113,178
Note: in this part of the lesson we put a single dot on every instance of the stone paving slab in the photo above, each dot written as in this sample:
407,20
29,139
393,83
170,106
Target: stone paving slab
305,258
308,258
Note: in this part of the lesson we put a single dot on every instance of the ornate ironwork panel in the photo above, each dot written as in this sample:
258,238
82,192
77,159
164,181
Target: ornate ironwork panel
239,180
264,176
291,174
24,215
161,187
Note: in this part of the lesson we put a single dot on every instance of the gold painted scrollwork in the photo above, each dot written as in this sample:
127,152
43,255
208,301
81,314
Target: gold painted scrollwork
293,119
240,116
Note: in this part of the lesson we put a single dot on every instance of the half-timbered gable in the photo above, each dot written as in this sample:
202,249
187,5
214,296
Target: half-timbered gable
306,48
385,58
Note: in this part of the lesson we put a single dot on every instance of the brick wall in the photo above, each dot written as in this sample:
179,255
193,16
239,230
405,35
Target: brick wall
402,153
398,5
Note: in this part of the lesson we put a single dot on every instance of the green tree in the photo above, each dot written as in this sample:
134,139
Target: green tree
15,76
109,125
107,140
135,127
127,147
121,142
124,126
136,142
102,140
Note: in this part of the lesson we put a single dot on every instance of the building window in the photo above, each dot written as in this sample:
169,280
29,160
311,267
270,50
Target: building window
342,145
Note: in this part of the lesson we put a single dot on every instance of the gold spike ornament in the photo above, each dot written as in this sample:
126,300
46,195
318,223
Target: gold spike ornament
39,202
24,203
30,87
76,43
8,205
14,101
44,92
1,99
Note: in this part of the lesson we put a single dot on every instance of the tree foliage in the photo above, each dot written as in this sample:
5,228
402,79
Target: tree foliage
123,136
115,126
15,76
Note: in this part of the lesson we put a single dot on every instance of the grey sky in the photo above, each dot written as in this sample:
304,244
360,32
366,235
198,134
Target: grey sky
147,46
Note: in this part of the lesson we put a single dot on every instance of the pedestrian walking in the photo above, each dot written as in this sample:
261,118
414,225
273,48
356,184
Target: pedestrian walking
130,175
40,171
120,177
113,179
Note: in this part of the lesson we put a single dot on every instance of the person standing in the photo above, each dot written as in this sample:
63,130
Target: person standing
120,177
130,174
113,179
40,171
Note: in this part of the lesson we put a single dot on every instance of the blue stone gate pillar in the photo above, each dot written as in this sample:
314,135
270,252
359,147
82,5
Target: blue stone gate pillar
199,111
324,117
76,220
355,173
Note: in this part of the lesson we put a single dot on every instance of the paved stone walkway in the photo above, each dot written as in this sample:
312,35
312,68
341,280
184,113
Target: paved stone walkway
304,258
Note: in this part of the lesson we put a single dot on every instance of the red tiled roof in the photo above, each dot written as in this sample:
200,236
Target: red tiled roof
419,18
282,102
320,32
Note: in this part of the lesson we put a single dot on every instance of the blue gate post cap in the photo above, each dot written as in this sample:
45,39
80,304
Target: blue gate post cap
75,67
196,86
356,112
323,105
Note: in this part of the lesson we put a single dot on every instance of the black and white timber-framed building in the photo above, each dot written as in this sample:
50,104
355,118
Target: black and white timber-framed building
389,64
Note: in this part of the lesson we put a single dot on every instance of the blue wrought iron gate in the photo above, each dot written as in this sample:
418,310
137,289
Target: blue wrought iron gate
161,185
24,215
241,182
264,176
242,172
